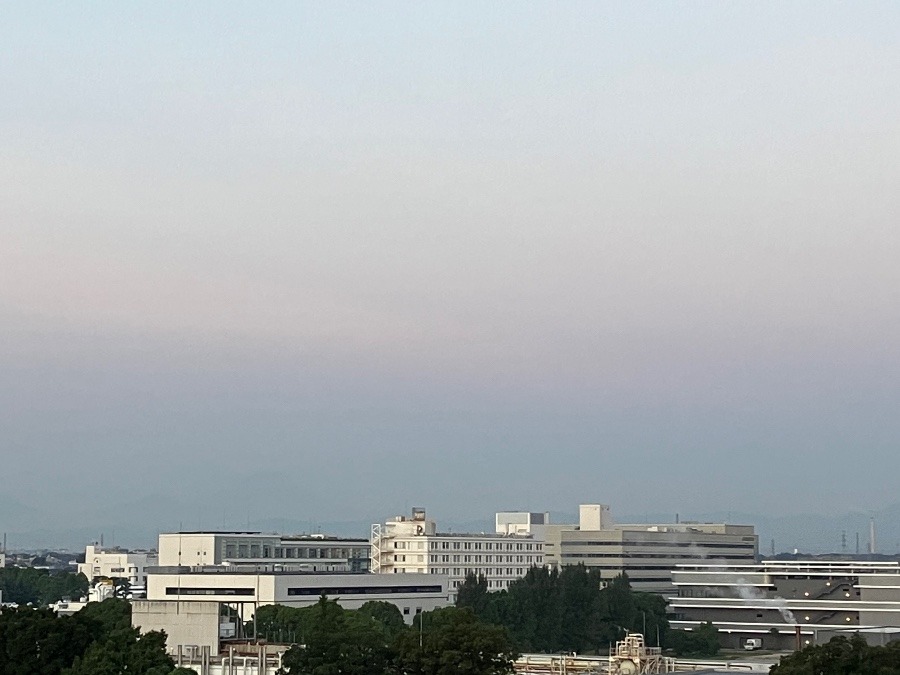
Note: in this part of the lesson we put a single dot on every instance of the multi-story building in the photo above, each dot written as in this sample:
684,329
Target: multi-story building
781,601
117,563
414,546
313,553
646,553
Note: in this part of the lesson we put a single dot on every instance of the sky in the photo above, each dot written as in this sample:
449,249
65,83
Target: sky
332,260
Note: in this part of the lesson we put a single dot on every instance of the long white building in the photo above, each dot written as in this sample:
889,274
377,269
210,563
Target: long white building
412,545
310,553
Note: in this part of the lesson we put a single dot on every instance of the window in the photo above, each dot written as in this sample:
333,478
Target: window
173,590
406,611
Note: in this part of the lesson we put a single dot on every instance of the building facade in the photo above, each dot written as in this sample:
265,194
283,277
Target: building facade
781,602
412,545
117,563
228,597
646,553
312,553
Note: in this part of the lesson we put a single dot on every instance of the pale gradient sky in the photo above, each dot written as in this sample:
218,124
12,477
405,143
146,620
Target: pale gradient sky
330,260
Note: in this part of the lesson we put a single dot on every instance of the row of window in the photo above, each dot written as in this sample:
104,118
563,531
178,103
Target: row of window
364,590
496,584
315,591
488,559
485,571
468,546
662,544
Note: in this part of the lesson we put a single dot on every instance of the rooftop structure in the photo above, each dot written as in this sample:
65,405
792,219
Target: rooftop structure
316,553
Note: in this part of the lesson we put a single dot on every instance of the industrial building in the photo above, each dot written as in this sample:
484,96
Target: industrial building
647,553
783,602
412,545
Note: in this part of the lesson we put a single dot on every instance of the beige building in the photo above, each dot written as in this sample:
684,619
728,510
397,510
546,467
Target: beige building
646,553
412,545
117,563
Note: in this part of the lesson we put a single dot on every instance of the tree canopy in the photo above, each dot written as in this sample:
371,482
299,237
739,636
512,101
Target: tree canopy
27,585
842,656
703,641
374,640
98,640
572,610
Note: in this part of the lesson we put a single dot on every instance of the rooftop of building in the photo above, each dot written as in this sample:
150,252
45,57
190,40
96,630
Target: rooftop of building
268,535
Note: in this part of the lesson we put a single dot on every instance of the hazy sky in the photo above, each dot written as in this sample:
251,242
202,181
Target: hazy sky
330,260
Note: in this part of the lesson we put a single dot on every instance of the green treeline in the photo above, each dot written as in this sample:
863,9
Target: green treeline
842,656
374,640
567,610
26,585
98,640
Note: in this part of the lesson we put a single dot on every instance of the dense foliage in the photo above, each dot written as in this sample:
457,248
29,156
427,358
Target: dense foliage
374,640
27,585
703,641
570,610
98,640
842,656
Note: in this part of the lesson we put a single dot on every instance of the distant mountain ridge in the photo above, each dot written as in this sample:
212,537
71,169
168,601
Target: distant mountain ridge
129,524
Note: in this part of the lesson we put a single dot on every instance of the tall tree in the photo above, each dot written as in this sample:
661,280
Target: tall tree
451,641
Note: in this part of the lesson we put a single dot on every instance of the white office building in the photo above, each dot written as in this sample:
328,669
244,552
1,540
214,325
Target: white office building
412,545
117,563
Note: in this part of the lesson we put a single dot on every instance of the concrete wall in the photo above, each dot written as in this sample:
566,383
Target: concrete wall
185,623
